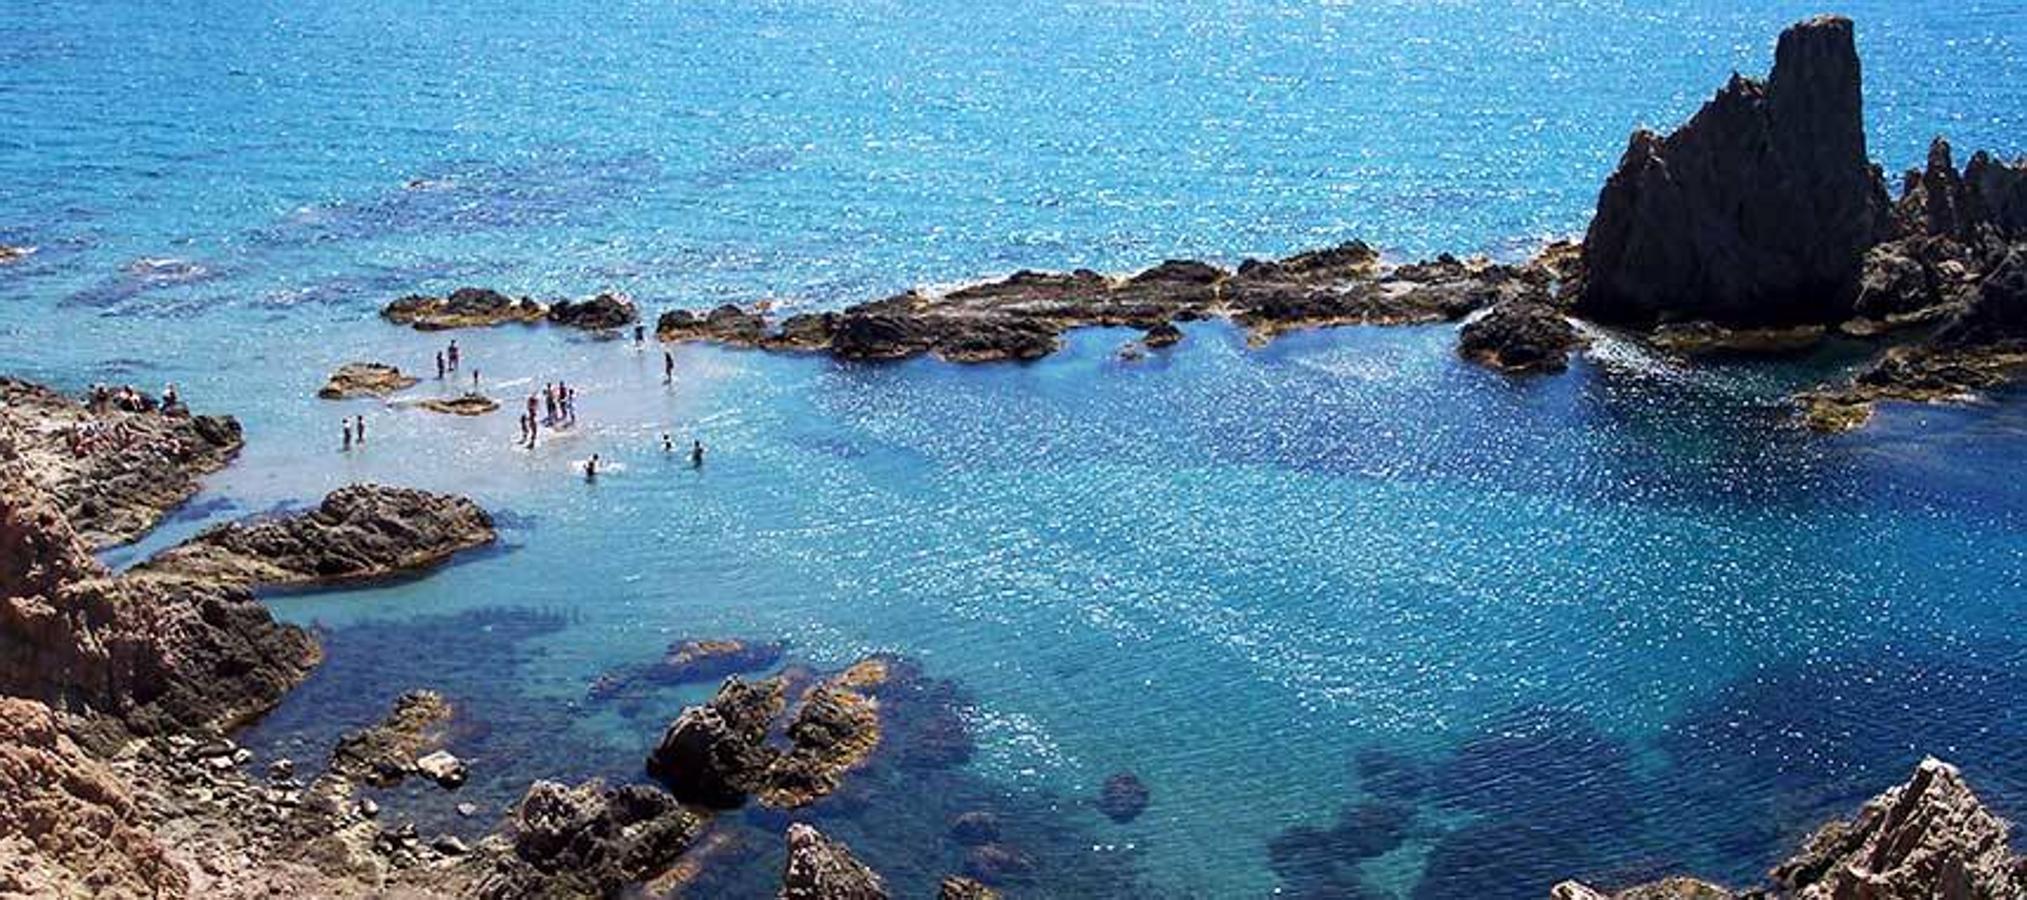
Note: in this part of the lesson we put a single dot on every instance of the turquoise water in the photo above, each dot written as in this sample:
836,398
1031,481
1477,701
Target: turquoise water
1619,621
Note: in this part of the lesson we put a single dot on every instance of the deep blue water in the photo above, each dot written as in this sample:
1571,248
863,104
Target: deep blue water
1361,616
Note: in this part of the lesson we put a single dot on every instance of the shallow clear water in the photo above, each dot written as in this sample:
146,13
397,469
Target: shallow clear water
1617,621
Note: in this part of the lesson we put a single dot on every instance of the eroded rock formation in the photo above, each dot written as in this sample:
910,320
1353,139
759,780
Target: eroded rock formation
587,841
468,307
1520,335
819,868
1758,211
385,753
358,532
71,827
365,379
689,661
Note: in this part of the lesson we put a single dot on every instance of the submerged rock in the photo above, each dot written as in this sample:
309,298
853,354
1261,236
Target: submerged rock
462,405
690,661
468,307
1123,798
365,379
819,868
358,532
1758,211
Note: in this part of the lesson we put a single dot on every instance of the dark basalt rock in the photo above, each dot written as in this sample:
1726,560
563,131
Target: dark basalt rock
998,864
604,312
468,307
358,532
1162,335
365,379
689,662
1521,335
716,754
820,868
1123,798
1758,211
588,841
974,828
726,324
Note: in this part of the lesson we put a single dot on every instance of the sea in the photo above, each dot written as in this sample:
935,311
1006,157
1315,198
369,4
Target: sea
1366,620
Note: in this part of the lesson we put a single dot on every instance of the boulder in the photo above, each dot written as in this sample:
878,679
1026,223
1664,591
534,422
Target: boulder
819,868
997,863
358,532
974,828
1164,334
958,887
365,379
717,753
446,770
1758,211
385,753
461,405
1520,335
72,828
605,312
588,841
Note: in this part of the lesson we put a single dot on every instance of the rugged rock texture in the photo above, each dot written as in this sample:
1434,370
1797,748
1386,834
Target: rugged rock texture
461,405
146,654
588,841
717,753
1928,838
1023,316
365,379
604,312
819,868
1758,211
1984,347
113,472
1162,334
1520,335
71,827
465,308
359,532
958,887
688,662
1123,798
385,753
834,731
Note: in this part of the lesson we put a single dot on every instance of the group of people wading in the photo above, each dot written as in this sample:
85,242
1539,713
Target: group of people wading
554,407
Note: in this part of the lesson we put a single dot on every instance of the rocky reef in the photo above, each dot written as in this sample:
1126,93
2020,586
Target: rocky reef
1520,335
365,379
689,661
474,307
116,462
718,753
588,841
1930,837
385,753
358,532
1758,211
822,869
1024,315
461,405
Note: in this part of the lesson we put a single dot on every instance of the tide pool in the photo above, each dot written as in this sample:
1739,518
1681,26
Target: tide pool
1502,631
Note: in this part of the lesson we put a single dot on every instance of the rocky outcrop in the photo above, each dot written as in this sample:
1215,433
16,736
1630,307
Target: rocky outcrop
716,754
1520,335
359,532
461,405
834,730
1758,211
71,827
819,868
958,887
1930,837
116,463
385,753
1983,348
604,312
1023,316
587,841
139,654
689,661
365,379
468,307
1123,798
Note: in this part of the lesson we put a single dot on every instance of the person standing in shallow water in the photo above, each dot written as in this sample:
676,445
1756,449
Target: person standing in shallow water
640,335
359,425
475,381
668,443
346,425
439,365
591,468
453,354
668,367
697,454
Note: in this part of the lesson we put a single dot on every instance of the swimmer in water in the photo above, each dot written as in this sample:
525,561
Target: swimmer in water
668,444
591,468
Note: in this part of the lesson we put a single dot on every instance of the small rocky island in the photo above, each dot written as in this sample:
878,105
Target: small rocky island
472,307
